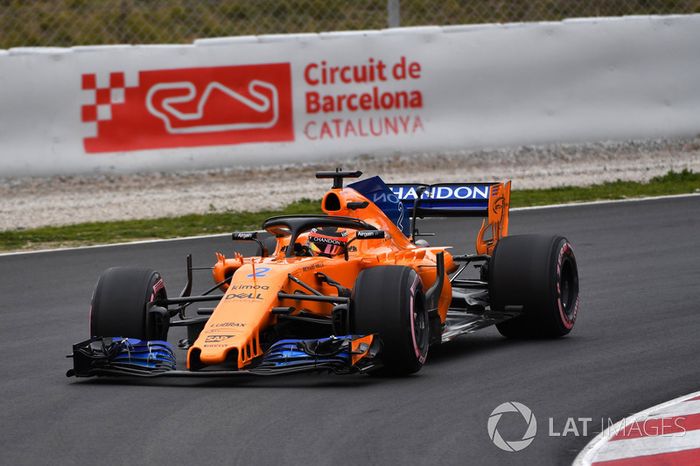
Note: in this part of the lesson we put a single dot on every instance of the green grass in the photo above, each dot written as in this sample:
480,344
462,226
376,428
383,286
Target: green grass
202,224
670,183
131,230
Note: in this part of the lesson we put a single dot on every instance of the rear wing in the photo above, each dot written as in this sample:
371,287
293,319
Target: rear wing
444,199
404,203
491,201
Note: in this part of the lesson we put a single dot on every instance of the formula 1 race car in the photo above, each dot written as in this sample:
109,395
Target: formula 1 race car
354,290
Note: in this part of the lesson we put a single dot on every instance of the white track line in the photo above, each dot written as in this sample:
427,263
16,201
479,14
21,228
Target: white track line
604,201
588,455
95,246
515,209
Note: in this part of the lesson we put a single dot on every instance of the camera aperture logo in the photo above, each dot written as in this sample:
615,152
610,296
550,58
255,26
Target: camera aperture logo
527,437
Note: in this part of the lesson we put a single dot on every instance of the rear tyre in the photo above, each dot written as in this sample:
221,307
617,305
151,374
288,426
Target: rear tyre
539,273
388,301
120,304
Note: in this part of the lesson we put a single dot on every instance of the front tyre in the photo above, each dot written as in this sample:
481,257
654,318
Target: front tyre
388,301
121,302
537,272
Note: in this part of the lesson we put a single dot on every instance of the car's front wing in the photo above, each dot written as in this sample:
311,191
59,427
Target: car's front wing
117,356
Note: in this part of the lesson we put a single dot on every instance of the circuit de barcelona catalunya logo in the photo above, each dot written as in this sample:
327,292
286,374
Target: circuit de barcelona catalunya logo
188,107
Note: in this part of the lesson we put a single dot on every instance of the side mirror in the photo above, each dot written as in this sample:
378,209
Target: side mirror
249,236
365,234
244,236
370,234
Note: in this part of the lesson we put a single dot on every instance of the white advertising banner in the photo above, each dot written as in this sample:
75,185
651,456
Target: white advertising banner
309,97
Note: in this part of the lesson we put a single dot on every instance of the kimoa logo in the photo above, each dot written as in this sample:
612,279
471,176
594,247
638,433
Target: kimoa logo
512,445
250,287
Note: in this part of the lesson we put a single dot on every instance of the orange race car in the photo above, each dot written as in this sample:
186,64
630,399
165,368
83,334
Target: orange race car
354,290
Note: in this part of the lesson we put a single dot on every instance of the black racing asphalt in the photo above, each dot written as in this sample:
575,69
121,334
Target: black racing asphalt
636,344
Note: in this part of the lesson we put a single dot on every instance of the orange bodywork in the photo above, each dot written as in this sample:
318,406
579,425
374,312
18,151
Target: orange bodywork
233,330
497,220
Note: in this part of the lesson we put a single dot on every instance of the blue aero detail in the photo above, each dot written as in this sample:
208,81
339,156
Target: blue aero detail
154,354
289,353
383,197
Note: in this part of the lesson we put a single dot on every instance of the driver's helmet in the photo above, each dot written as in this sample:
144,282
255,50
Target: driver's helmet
327,242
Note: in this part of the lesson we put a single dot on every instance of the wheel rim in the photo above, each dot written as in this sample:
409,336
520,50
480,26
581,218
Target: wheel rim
156,327
568,288
419,328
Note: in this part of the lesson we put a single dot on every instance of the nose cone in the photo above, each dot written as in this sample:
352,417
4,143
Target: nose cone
232,333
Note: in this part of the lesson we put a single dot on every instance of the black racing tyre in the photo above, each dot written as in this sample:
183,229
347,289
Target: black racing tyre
120,304
537,272
388,301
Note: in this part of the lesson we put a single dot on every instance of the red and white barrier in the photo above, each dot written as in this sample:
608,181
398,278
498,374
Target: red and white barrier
307,97
666,434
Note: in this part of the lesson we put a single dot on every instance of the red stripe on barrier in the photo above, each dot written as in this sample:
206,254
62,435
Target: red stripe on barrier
694,398
676,458
659,426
